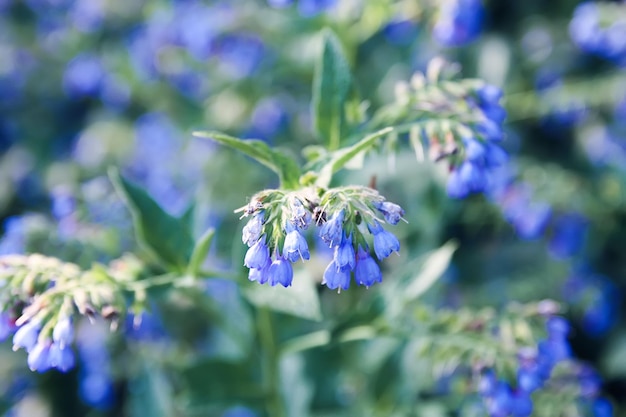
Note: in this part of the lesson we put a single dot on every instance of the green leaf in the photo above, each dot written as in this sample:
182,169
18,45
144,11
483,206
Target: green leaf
220,383
300,300
200,251
420,275
150,392
434,265
286,168
340,158
331,85
163,235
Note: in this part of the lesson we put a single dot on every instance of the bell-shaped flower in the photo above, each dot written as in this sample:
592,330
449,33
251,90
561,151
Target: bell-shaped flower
280,272
344,257
295,245
385,243
61,358
26,336
39,357
336,277
332,231
258,255
63,332
252,230
392,212
367,271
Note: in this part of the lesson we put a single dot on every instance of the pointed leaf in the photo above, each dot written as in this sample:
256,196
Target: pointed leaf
200,251
340,158
331,86
163,235
286,168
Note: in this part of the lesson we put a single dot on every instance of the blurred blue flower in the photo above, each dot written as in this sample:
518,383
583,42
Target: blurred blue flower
95,383
83,76
280,272
268,119
240,54
459,22
593,36
596,297
400,32
568,235
87,15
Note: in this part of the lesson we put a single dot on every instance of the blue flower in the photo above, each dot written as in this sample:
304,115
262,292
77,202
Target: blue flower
61,358
63,332
344,256
393,213
521,404
6,325
459,22
39,357
331,232
26,336
570,231
259,275
252,230
602,408
258,255
280,272
336,277
83,76
295,245
300,216
367,271
385,243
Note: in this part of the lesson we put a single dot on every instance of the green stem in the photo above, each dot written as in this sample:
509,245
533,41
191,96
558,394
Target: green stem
275,406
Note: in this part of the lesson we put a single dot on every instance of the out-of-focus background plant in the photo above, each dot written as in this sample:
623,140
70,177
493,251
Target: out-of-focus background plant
490,135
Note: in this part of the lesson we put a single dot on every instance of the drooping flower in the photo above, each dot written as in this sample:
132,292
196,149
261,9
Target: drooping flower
344,256
367,272
332,231
63,333
393,213
336,277
258,255
252,230
39,357
280,272
300,216
61,358
26,336
259,275
385,243
295,245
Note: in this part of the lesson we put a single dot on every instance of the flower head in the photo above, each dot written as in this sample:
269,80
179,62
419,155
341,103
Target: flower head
252,230
332,231
61,358
295,245
63,332
280,272
385,243
258,255
344,256
392,212
367,271
336,277
26,336
39,357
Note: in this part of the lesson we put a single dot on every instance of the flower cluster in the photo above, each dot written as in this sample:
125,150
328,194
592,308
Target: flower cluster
596,29
472,169
459,22
344,216
42,299
537,366
597,300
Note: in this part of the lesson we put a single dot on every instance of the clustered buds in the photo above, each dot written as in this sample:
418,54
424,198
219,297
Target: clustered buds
536,366
343,216
45,352
471,169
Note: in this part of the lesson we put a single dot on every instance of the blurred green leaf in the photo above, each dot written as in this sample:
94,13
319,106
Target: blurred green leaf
150,393
200,251
300,300
434,265
214,382
286,168
331,86
163,235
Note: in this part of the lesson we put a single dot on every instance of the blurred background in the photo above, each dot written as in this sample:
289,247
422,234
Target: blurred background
88,84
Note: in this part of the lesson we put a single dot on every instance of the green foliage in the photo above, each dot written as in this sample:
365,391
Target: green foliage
331,85
286,168
167,238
